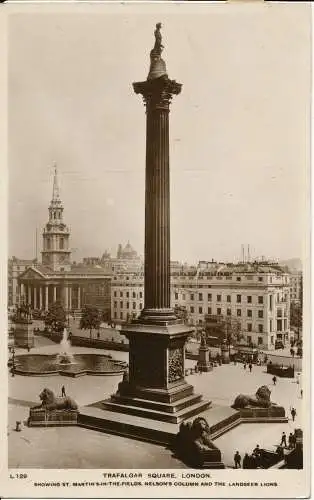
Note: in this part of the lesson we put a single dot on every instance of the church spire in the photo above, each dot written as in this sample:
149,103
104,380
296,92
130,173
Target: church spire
55,189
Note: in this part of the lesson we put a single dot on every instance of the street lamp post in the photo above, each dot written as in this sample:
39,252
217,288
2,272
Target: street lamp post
13,361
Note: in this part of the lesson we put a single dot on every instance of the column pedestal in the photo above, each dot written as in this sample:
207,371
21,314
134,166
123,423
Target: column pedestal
156,388
204,364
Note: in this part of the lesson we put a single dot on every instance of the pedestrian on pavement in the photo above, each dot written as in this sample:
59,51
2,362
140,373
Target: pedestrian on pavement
293,413
246,461
250,367
265,359
290,441
301,393
237,460
63,395
244,366
274,379
292,352
283,440
294,440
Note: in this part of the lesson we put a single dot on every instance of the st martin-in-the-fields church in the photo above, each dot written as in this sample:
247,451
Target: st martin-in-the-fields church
56,278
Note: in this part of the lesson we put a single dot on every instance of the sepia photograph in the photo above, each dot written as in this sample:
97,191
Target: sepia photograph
157,250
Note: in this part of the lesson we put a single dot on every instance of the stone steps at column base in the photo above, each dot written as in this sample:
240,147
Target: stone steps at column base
129,426
174,407
151,413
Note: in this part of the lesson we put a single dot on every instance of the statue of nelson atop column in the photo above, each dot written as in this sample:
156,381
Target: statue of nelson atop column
157,64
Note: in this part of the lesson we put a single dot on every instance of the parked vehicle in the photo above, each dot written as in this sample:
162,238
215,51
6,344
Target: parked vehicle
279,344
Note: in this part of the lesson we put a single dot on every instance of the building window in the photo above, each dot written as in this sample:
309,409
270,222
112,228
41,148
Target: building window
192,296
260,278
200,310
218,298
121,294
260,340
260,299
270,302
238,312
192,309
176,296
260,313
279,325
121,315
114,294
238,278
228,312
61,243
200,296
121,305
249,339
249,313
279,313
115,314
260,328
141,306
228,298
128,305
209,297
127,294
270,325
115,304
134,305
219,311
141,295
134,295
239,299
249,327
249,299
209,310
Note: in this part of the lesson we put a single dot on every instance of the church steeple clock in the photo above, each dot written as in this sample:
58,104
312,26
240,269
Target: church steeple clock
56,234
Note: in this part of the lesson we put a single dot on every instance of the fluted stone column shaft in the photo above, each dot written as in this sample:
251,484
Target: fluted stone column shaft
157,94
157,210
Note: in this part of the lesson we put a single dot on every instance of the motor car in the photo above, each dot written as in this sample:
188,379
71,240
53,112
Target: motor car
279,344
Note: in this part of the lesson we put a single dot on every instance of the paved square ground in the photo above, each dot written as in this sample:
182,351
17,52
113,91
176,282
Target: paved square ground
81,448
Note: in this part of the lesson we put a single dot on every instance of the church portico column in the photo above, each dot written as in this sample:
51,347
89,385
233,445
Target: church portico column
35,296
29,294
66,297
22,291
47,297
70,297
54,293
79,297
40,297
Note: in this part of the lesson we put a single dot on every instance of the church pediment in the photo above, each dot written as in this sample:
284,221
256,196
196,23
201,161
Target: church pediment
31,274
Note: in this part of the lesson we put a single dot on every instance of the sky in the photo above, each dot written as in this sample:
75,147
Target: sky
239,130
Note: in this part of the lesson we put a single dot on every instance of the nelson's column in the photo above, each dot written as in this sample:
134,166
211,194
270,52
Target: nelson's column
155,388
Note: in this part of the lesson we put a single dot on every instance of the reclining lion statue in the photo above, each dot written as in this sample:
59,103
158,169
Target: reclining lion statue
261,400
50,402
196,433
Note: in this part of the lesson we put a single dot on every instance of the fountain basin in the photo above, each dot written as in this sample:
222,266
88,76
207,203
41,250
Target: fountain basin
81,364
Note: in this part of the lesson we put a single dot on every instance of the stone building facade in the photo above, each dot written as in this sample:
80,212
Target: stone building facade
257,295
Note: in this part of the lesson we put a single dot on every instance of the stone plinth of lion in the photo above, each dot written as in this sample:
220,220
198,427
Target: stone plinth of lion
261,399
50,402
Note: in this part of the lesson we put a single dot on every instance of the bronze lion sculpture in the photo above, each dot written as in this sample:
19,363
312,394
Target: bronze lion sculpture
50,402
197,433
261,400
